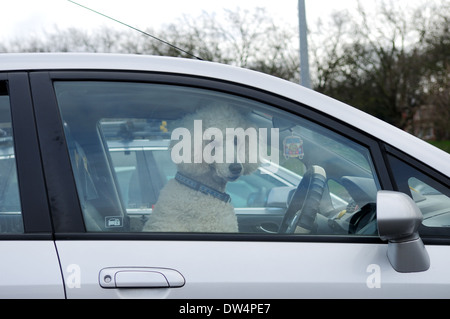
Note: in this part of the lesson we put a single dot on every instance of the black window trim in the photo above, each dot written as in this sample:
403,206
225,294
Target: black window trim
33,196
64,204
67,215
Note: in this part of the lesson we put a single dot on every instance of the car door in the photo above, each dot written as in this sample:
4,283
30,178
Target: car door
29,266
109,249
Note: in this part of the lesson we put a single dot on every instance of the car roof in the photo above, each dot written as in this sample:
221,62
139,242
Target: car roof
397,138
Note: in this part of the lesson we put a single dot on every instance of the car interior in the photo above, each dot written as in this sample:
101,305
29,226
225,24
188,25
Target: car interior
10,208
120,158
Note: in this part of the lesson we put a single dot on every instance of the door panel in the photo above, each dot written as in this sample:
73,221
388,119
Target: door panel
253,270
30,269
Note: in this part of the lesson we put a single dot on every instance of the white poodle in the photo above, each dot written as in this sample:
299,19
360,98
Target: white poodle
195,200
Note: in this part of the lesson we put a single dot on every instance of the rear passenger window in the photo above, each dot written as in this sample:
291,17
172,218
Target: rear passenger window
10,210
167,158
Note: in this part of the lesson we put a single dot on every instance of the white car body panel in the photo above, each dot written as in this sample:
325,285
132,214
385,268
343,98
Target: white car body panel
316,270
408,143
30,269
223,269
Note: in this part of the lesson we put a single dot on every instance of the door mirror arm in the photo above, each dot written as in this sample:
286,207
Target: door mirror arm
398,219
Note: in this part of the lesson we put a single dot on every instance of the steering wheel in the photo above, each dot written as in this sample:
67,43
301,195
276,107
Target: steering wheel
304,205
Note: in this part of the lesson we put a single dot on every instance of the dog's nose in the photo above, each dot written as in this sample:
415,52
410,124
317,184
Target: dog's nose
235,169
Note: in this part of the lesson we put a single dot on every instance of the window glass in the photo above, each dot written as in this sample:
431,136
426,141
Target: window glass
431,197
10,210
166,158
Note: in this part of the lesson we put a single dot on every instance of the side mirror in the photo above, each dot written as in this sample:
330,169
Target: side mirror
398,219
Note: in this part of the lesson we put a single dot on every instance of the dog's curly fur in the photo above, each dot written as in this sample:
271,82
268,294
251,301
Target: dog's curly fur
182,209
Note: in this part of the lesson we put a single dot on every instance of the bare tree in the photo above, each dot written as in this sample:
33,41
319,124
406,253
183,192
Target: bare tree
434,26
243,38
389,62
239,37
378,62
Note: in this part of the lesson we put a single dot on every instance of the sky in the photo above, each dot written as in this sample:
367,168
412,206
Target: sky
19,18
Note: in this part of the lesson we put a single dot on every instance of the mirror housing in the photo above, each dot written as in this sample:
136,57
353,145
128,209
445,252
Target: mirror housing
398,219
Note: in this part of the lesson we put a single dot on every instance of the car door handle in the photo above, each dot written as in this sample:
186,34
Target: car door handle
140,277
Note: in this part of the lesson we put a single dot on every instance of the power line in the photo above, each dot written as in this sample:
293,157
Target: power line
138,30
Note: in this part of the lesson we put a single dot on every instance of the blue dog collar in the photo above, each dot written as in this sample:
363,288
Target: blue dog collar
202,188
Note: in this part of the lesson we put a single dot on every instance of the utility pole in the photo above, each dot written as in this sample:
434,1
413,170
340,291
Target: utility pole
304,61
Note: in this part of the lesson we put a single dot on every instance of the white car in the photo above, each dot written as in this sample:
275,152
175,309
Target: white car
342,205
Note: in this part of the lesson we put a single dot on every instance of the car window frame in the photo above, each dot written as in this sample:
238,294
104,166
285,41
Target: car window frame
32,192
429,235
66,210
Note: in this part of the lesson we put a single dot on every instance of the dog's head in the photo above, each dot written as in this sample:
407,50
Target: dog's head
218,142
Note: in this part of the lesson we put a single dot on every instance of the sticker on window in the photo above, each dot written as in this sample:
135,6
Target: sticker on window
113,221
293,147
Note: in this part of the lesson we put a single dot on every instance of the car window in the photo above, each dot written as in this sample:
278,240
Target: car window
10,210
166,158
431,196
